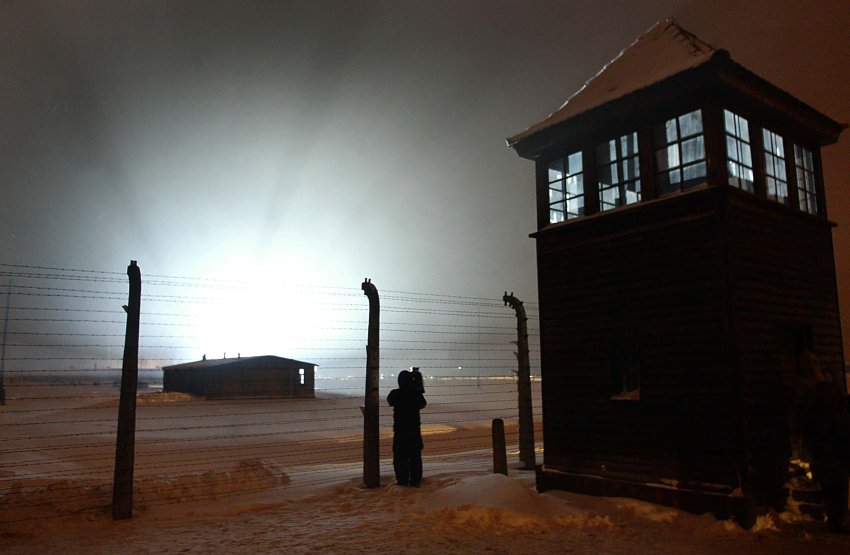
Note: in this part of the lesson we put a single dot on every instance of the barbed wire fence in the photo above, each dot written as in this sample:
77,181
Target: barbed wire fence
62,348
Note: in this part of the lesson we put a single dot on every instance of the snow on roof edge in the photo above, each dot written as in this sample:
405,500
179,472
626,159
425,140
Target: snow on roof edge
215,362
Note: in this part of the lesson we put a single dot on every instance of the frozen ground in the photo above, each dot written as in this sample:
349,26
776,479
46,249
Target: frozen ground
219,487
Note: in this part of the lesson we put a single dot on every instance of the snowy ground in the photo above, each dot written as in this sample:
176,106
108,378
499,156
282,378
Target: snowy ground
461,508
257,500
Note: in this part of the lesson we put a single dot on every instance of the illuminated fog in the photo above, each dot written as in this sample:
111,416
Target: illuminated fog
325,142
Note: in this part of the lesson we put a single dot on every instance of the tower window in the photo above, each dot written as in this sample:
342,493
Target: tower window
804,164
619,172
566,188
739,156
679,153
776,179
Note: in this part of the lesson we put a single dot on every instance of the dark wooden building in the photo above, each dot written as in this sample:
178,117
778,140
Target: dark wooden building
685,261
260,376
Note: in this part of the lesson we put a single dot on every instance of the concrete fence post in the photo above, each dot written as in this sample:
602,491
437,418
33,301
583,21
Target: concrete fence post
125,445
526,414
371,418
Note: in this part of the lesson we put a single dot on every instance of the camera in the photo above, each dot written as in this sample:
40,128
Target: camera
417,379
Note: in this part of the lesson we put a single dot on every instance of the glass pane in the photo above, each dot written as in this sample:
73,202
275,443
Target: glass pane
746,155
769,164
782,192
628,145
665,133
729,121
803,158
575,207
574,163
810,203
771,188
734,171
607,198
732,149
691,123
774,167
555,195
804,202
618,197
556,170
575,185
668,158
695,174
773,143
555,216
801,180
633,192
631,169
693,150
743,128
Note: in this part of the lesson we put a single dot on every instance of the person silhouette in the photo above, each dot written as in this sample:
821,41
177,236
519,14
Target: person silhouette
406,402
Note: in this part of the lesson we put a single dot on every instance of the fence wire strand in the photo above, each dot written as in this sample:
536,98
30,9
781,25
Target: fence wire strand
62,357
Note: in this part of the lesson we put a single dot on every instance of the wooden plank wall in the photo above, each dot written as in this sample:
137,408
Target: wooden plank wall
653,275
704,284
782,276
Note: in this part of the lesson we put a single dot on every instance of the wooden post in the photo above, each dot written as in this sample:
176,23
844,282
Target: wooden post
500,457
371,419
526,414
122,486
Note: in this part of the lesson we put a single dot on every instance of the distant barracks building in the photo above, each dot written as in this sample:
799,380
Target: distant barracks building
685,262
260,376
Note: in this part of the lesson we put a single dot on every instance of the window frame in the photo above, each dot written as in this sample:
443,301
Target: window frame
672,149
775,162
563,190
806,189
711,144
619,163
739,140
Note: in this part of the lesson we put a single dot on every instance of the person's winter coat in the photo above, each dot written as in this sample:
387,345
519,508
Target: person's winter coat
406,402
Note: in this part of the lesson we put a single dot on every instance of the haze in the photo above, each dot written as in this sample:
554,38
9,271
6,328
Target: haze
324,142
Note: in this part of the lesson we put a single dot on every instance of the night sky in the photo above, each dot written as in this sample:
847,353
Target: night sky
325,142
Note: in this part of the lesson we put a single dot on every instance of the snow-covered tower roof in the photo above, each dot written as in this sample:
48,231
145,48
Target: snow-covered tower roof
664,62
663,51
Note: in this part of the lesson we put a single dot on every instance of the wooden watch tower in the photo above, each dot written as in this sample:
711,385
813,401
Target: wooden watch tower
685,262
